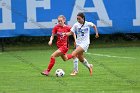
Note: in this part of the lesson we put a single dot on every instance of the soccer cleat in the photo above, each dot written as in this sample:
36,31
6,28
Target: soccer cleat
74,73
90,69
46,73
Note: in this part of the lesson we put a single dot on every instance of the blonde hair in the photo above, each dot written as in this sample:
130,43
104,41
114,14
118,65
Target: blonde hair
62,16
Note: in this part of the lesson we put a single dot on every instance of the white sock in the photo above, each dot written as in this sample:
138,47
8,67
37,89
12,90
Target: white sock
75,62
85,63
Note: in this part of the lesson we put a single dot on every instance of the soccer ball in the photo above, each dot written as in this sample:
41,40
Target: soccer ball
59,73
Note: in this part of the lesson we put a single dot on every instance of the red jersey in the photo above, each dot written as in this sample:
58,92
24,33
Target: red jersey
61,40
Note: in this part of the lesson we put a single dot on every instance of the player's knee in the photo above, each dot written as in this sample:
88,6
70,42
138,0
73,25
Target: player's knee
73,55
52,56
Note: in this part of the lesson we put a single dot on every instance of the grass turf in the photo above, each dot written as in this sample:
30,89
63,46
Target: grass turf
116,70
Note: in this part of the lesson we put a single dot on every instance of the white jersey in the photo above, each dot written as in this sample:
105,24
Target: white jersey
83,34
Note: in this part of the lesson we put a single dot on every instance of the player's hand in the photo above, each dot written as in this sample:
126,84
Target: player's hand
50,43
63,34
97,36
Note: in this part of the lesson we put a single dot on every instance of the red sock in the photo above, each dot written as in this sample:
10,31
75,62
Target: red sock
69,56
51,64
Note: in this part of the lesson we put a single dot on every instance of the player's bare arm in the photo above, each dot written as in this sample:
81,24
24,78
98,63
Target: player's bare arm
74,36
51,39
96,31
68,33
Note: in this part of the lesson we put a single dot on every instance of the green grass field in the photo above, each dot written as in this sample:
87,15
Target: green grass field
116,70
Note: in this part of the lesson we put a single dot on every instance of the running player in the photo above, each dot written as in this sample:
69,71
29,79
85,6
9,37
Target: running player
82,29
62,43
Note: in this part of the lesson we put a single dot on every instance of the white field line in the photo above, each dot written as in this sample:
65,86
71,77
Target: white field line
111,56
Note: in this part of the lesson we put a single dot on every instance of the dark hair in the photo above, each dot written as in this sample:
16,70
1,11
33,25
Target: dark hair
81,14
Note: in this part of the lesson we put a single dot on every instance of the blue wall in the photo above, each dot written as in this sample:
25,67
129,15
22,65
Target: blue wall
119,15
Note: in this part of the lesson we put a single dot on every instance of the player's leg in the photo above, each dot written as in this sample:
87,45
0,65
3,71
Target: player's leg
69,56
57,53
85,62
75,60
66,57
64,50
82,59
75,63
52,62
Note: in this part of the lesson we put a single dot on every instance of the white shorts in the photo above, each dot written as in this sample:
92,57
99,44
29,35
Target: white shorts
84,46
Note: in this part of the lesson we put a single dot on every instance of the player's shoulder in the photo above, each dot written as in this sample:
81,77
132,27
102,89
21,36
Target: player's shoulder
89,23
68,26
76,24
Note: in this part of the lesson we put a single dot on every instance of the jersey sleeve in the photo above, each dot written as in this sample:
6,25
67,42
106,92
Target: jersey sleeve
54,31
73,29
91,24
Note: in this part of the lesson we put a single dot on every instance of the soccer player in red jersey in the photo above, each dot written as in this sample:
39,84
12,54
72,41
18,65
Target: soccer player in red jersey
62,43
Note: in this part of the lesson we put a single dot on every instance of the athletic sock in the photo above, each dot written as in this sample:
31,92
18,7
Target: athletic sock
51,64
85,63
75,62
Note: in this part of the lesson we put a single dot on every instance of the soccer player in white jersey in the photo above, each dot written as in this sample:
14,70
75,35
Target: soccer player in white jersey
82,30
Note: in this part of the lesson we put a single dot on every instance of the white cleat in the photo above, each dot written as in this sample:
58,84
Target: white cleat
74,73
